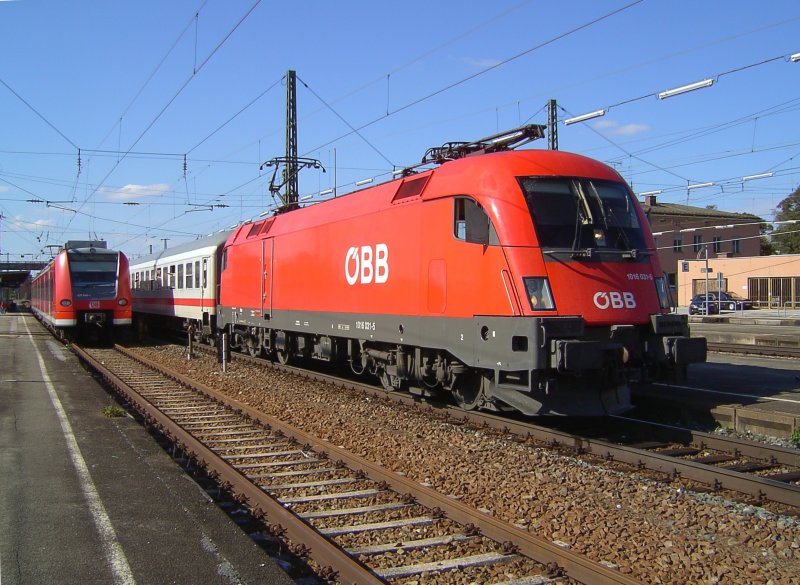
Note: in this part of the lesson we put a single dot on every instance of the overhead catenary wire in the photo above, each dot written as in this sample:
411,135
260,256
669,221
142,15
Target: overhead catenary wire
349,125
607,139
194,73
248,193
147,81
236,115
38,113
463,80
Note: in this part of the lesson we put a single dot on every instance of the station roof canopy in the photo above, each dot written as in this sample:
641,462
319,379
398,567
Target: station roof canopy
13,278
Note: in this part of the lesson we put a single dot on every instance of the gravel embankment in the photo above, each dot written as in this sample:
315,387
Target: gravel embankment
656,532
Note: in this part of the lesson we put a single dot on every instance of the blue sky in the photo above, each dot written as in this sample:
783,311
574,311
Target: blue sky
101,102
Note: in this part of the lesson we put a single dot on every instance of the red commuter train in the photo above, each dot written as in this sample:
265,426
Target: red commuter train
524,280
84,292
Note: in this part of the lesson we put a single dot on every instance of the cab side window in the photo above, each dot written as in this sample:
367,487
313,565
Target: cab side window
471,223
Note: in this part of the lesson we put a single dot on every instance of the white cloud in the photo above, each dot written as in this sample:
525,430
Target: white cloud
44,222
22,224
614,128
484,63
133,191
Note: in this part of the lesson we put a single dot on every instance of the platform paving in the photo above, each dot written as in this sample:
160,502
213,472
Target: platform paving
89,499
749,394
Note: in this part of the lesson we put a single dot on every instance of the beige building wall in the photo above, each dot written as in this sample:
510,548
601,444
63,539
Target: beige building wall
776,278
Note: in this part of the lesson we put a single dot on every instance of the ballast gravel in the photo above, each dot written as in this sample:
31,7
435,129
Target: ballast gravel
657,532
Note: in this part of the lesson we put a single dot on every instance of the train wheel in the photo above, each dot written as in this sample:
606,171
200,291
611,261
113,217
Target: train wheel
252,347
467,390
283,357
237,342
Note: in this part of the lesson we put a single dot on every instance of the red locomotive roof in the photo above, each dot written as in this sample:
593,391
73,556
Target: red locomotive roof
485,177
482,172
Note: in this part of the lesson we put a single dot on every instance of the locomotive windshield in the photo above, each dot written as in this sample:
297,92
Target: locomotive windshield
582,214
94,275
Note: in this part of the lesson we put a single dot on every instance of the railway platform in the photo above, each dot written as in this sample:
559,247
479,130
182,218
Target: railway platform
757,395
85,498
777,328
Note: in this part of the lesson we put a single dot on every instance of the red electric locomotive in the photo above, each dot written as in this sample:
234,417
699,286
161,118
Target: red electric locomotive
84,291
513,279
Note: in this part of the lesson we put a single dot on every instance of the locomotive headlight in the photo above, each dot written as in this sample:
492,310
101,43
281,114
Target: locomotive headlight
122,302
65,302
664,298
538,293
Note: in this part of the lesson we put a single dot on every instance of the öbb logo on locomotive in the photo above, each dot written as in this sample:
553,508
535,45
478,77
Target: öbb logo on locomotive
614,299
367,265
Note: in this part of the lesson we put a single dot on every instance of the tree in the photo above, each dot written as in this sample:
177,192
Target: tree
786,238
767,245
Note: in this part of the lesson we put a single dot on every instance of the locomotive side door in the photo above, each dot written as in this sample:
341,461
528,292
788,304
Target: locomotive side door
266,277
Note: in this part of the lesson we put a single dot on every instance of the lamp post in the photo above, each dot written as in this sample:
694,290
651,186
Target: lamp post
704,252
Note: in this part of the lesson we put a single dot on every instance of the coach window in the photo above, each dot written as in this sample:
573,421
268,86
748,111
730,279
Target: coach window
172,276
189,279
180,275
471,223
197,274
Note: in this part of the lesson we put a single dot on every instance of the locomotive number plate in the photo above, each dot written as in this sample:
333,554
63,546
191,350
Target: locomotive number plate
94,304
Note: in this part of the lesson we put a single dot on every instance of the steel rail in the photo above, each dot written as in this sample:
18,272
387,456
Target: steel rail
759,349
715,477
762,451
539,549
322,550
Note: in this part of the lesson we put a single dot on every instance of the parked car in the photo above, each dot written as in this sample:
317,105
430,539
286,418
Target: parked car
703,305
731,301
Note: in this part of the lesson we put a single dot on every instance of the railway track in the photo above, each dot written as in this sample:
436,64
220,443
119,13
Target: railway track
355,520
758,473
764,472
759,349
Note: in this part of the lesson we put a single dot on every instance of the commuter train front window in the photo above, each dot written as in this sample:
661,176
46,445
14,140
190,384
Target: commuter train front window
580,213
93,275
472,224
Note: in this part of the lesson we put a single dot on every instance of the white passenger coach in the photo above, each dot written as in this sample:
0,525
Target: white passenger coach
177,287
